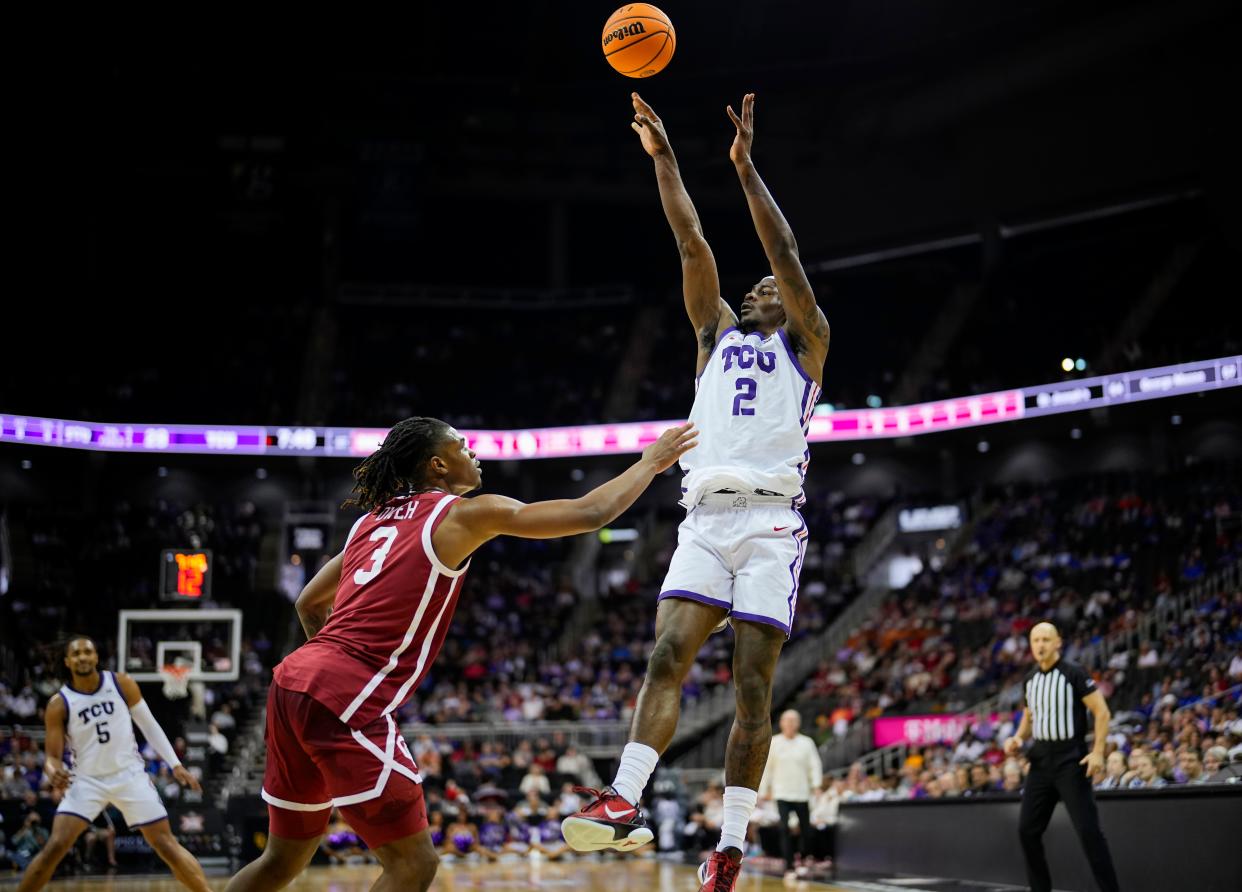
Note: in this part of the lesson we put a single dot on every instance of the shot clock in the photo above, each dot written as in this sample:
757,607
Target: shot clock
185,574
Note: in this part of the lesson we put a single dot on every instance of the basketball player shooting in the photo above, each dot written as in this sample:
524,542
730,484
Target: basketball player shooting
96,711
376,616
740,548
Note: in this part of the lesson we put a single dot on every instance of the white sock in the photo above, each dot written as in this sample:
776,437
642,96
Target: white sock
739,802
638,761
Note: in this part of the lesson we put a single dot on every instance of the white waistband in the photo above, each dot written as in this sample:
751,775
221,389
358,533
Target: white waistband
743,500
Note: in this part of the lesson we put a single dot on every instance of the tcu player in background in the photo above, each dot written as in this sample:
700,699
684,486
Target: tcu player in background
739,550
376,616
96,712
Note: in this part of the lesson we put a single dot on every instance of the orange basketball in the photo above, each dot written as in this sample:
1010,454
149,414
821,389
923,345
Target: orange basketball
639,40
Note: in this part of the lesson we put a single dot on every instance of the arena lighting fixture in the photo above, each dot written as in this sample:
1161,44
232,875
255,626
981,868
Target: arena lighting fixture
1067,364
617,439
1080,365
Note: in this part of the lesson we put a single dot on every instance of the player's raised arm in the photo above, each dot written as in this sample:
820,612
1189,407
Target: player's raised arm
803,317
700,283
54,743
475,521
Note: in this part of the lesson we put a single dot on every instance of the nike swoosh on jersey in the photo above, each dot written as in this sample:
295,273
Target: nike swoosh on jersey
617,815
779,529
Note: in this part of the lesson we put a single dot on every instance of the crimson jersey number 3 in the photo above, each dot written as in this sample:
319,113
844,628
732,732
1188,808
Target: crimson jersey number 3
366,574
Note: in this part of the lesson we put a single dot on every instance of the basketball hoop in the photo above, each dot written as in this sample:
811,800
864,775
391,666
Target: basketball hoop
176,681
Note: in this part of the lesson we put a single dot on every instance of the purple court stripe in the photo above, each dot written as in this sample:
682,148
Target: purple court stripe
148,823
693,596
793,357
756,618
73,814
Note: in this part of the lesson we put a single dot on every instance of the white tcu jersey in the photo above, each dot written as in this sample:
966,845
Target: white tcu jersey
752,404
100,730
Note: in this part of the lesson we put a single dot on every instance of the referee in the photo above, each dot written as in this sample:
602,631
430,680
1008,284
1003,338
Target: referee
1056,697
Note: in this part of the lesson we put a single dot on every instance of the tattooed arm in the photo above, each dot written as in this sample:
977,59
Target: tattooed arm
805,321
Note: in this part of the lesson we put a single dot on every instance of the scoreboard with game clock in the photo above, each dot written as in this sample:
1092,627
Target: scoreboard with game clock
185,574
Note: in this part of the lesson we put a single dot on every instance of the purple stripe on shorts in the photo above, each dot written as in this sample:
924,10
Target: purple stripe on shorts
756,618
148,823
74,814
795,566
693,596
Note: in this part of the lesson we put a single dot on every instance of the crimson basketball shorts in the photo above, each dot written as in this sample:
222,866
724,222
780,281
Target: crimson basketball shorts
315,761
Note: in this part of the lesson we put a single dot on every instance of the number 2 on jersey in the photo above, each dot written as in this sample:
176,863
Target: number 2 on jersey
389,535
747,388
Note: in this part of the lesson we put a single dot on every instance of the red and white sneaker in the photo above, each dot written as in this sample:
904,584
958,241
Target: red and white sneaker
609,822
719,872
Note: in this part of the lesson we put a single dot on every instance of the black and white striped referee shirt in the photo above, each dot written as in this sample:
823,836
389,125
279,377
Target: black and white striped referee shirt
1054,699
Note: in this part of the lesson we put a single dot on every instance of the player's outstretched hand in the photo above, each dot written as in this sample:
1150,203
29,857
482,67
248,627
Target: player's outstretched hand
57,776
672,445
649,127
186,779
1095,764
739,152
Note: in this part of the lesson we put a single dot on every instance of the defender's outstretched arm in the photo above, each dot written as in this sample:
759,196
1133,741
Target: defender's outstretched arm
471,522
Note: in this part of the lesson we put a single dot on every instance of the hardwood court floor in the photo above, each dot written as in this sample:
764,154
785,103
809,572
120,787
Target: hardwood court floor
641,875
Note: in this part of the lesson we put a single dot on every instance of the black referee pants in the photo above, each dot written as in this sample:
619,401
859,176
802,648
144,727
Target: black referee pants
803,811
1056,776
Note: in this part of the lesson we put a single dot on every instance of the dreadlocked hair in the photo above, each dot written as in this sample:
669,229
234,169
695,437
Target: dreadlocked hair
397,466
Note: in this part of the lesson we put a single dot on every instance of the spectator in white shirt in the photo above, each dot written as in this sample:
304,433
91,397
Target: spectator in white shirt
825,809
1235,667
223,719
578,765
535,780
218,742
791,777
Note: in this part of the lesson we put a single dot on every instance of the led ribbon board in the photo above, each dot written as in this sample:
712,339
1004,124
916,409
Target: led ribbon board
616,439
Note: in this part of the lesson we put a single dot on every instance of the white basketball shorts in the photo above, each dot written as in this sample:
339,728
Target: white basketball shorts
744,559
130,790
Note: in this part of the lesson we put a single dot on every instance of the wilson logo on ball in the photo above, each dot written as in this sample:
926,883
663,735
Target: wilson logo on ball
622,33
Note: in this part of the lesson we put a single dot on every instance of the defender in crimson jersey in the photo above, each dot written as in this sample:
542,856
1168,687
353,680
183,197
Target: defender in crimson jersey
376,616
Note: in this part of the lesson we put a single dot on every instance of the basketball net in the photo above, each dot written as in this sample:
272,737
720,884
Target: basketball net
176,681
